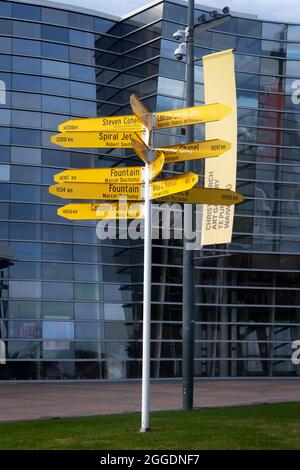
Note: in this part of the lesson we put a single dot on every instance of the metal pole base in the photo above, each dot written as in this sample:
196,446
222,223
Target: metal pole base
145,429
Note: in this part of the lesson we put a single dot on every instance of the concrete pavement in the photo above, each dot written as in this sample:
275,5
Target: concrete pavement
35,401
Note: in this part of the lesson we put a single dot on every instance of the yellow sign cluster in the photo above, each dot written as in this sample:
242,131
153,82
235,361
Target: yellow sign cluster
135,131
113,210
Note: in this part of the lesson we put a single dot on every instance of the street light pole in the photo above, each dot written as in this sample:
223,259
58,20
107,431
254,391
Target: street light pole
188,290
187,49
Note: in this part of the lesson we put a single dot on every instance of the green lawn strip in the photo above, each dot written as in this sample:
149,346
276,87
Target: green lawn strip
248,427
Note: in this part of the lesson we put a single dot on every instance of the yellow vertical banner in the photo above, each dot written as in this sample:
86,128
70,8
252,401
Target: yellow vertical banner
219,87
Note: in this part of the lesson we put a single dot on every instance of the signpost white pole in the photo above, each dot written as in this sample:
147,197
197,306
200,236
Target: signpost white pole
145,424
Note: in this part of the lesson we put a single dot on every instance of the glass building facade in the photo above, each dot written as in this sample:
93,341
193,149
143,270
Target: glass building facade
71,304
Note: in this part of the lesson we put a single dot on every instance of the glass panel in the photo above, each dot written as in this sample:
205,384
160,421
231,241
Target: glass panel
25,155
27,12
170,87
274,31
86,292
293,33
5,9
28,30
5,45
5,117
55,104
55,51
55,290
249,27
293,51
81,38
59,17
84,311
103,25
22,118
59,69
4,172
25,64
55,33
81,21
26,83
26,137
293,68
25,289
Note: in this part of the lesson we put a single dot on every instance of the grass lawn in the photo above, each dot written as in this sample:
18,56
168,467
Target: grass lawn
247,427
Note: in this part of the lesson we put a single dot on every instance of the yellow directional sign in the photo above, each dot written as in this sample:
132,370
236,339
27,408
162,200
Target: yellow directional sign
141,111
107,124
195,115
194,150
133,192
113,210
140,148
173,185
93,139
156,166
116,175
218,197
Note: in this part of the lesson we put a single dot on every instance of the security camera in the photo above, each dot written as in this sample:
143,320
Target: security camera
226,10
180,34
201,18
180,52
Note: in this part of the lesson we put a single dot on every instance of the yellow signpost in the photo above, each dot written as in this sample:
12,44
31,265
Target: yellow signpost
141,111
135,183
156,166
140,148
106,124
88,139
112,210
133,192
194,150
195,115
222,197
116,175
173,185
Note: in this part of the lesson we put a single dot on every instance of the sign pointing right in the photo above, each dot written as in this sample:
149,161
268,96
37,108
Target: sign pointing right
173,185
194,150
222,197
195,115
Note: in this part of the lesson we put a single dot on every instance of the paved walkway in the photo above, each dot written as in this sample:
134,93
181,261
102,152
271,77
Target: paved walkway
34,401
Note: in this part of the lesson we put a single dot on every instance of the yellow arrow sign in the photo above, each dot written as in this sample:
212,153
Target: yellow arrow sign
173,185
194,150
156,166
117,175
217,197
141,111
108,124
113,210
133,192
195,115
93,139
140,148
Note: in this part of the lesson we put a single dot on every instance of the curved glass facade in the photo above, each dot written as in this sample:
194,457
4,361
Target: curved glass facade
70,304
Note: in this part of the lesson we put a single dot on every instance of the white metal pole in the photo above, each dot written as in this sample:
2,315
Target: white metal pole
145,424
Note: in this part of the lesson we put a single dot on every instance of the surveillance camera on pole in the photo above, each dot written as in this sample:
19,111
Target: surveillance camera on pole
186,49
180,34
180,52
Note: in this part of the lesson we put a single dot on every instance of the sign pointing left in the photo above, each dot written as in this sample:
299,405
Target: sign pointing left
101,139
133,192
130,174
108,124
111,210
